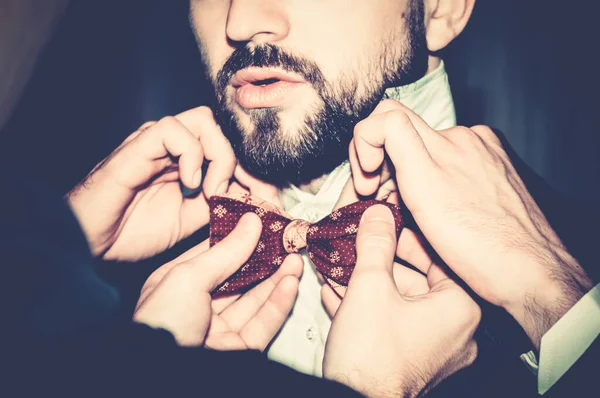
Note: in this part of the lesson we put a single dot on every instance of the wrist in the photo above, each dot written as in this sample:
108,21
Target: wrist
376,388
548,295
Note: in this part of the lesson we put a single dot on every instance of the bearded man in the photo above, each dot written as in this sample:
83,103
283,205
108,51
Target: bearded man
291,79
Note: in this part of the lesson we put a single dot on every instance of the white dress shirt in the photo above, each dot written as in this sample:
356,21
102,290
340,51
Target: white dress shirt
566,341
301,341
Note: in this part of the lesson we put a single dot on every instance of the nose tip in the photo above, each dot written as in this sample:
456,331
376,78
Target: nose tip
258,22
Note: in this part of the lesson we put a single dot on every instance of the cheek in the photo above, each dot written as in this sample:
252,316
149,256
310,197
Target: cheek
209,19
348,47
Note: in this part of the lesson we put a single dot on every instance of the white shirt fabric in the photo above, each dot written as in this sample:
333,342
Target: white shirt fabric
301,342
566,341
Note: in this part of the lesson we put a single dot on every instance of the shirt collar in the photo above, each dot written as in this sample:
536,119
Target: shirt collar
429,97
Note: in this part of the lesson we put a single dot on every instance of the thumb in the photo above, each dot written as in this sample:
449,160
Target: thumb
214,266
375,246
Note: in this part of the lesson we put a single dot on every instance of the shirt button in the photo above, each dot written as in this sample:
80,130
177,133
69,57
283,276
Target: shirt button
311,334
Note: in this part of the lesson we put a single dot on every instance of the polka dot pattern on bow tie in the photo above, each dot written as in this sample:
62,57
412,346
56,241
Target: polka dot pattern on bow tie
331,242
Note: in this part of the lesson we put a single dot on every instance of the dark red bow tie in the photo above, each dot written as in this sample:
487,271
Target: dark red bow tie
330,243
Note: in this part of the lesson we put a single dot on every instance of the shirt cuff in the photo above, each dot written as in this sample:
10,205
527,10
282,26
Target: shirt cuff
566,341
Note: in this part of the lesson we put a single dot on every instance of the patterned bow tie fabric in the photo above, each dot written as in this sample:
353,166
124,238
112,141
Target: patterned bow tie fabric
330,243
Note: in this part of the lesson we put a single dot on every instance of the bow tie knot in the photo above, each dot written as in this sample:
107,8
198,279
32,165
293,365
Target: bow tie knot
330,243
295,235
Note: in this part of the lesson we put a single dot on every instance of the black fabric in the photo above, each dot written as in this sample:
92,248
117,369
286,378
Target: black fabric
65,334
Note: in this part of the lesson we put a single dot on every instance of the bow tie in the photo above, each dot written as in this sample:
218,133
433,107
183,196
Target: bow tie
330,243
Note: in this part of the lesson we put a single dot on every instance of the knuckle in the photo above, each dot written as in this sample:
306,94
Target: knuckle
204,111
131,137
464,139
169,123
389,104
147,125
472,311
395,119
486,134
152,280
362,128
464,133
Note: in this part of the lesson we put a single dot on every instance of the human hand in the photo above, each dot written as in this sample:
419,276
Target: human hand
410,244
177,296
131,205
475,212
397,333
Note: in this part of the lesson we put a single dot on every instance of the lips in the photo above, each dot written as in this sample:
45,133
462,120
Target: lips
263,87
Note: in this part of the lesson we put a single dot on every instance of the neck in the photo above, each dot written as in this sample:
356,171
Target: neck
313,186
432,64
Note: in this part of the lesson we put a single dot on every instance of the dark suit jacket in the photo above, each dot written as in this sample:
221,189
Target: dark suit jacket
67,335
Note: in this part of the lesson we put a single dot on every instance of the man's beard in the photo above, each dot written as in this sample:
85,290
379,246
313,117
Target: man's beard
321,144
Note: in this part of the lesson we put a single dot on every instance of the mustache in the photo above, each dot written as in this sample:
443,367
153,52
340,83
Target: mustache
269,56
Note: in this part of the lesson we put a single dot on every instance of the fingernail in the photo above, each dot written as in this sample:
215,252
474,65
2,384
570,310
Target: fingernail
378,212
251,222
197,178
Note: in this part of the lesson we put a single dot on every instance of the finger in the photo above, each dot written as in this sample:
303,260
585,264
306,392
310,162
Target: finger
261,329
170,138
242,310
195,214
375,244
487,135
368,182
429,136
193,252
394,198
217,150
158,274
392,106
409,282
331,301
394,133
217,264
411,248
146,125
381,182
436,274
388,191
229,341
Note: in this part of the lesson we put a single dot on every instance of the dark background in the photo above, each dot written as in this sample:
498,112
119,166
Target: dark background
525,67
